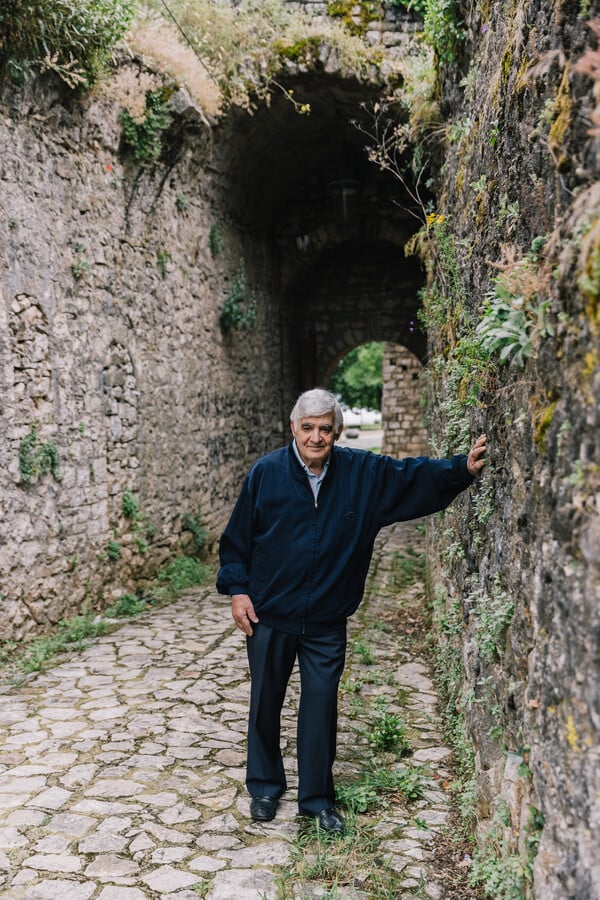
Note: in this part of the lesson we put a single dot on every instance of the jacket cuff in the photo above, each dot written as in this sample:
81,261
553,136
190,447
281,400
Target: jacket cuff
464,459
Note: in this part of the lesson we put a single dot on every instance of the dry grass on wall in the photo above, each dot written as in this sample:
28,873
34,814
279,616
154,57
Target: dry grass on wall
160,42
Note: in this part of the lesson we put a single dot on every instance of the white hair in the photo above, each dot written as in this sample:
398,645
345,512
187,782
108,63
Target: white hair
317,402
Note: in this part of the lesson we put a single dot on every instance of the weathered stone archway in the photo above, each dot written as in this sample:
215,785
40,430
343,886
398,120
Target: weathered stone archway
332,226
353,293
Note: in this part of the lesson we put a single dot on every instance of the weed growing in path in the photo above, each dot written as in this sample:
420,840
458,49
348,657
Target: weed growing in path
387,733
408,567
379,785
126,605
363,652
72,634
21,659
337,862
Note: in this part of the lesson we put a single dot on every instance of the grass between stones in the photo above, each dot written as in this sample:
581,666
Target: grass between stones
380,789
20,659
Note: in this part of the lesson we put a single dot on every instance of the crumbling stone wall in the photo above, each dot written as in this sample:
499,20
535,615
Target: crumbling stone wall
518,581
116,377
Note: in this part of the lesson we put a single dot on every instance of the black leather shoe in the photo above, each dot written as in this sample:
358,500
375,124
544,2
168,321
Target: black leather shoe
329,819
263,809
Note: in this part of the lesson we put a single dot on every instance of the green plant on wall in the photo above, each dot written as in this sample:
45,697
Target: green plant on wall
143,135
80,267
74,38
113,550
195,524
216,244
443,29
239,309
162,258
493,610
182,202
448,622
506,872
142,528
510,326
37,459
515,317
460,370
130,507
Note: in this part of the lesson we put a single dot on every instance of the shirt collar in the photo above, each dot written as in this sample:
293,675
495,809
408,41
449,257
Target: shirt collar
305,467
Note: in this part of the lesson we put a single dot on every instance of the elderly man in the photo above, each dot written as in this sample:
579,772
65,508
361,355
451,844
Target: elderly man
294,560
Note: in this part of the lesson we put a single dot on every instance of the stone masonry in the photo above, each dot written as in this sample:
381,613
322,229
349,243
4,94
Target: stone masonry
402,414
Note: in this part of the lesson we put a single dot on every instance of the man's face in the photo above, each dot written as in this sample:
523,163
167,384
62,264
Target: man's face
315,436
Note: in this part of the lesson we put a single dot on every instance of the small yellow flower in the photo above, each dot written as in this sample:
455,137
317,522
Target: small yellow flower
435,218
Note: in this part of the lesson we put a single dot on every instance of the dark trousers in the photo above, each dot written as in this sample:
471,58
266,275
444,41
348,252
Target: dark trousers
271,655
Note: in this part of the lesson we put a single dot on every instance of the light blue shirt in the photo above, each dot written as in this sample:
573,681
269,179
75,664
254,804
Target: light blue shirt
314,480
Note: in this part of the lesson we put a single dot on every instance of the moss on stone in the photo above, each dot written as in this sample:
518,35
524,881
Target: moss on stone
561,112
588,280
356,17
303,50
591,361
522,80
542,421
506,66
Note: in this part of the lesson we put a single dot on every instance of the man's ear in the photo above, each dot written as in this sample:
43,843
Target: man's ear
292,429
339,434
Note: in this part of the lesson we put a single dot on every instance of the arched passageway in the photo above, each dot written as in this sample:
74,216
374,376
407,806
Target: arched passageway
332,225
354,292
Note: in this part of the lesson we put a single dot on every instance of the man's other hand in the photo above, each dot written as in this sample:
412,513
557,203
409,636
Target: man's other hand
243,613
475,459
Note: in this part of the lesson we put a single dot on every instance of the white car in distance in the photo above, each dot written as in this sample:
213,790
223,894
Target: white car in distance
357,418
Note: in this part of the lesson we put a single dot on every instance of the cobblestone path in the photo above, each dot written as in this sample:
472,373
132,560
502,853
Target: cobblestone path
122,767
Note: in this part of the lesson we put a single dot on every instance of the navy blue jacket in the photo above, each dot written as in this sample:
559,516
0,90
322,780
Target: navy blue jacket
304,562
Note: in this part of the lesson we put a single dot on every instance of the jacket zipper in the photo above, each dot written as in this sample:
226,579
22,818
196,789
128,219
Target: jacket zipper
316,506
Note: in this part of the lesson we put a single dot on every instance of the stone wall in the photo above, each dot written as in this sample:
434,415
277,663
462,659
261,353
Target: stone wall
518,580
116,378
404,433
382,24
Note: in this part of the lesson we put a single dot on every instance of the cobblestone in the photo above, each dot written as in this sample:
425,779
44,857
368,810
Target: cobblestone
122,768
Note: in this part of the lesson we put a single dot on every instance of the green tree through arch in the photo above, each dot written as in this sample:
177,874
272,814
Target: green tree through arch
358,378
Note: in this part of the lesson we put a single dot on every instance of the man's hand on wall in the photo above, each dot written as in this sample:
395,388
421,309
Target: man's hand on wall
243,613
475,459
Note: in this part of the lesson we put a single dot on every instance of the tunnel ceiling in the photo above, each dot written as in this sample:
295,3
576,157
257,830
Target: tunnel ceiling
339,224
280,168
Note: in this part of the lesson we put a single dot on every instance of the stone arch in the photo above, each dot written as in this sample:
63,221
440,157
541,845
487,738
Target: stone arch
334,224
355,292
